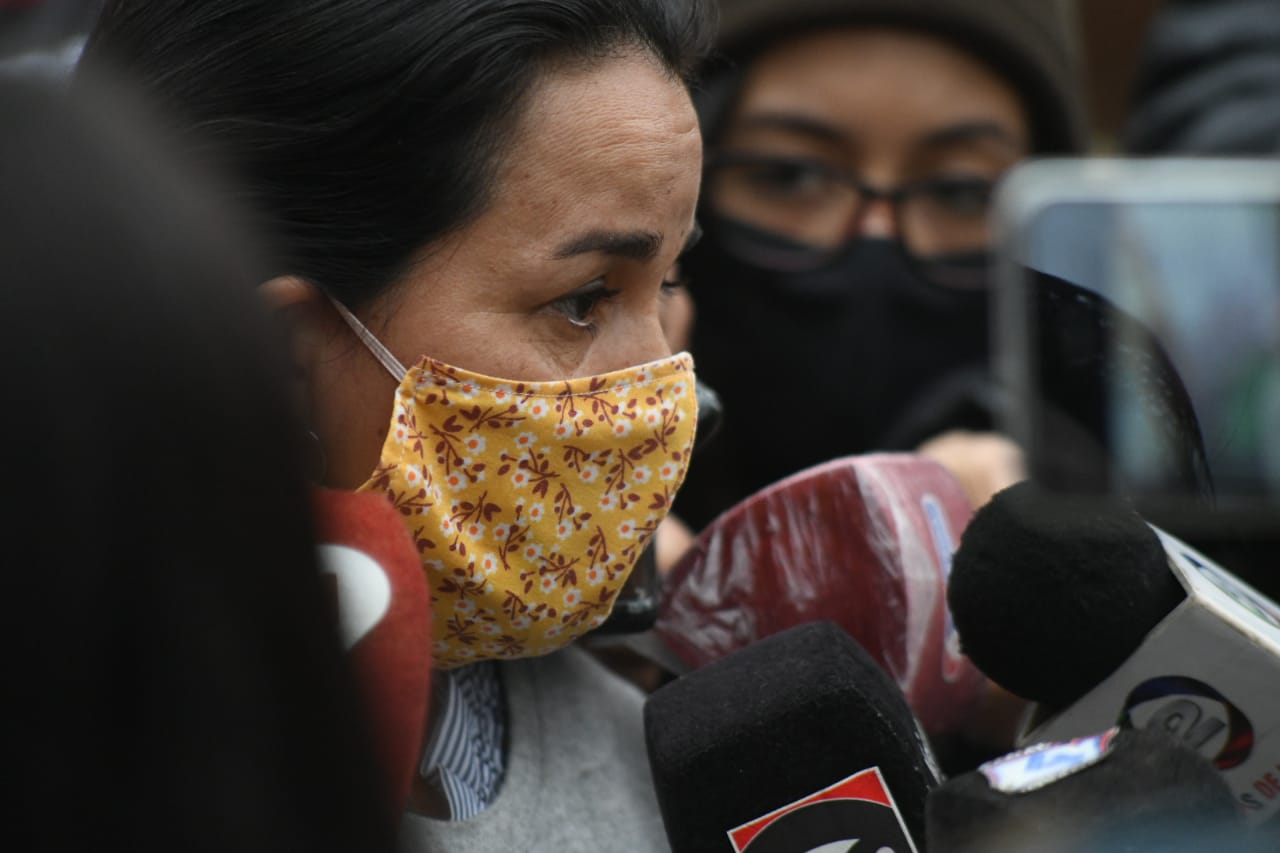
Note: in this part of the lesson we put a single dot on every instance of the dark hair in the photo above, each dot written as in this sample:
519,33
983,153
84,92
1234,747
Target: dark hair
365,130
173,676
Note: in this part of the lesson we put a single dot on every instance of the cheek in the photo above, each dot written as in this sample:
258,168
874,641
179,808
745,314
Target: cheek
515,345
350,412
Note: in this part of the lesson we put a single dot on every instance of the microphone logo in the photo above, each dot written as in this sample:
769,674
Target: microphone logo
1043,764
361,588
1197,715
858,812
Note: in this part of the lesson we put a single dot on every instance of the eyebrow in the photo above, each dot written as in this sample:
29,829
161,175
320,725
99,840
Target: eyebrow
632,245
794,124
971,131
962,132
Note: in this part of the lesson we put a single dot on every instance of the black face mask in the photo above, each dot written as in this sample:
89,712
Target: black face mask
829,362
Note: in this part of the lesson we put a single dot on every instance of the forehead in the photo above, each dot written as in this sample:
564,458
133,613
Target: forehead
871,79
618,138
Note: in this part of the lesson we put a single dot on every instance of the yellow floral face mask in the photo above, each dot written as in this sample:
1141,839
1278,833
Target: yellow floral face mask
530,502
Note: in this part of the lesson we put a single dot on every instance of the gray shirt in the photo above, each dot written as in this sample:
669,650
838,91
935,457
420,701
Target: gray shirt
577,776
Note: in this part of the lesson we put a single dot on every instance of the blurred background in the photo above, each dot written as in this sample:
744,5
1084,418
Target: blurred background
46,34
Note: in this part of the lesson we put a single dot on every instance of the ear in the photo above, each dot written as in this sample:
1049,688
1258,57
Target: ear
306,315
312,326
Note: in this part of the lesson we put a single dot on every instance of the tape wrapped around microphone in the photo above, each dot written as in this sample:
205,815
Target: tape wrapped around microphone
864,542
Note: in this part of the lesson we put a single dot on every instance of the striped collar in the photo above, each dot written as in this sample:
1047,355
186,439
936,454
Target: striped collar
465,757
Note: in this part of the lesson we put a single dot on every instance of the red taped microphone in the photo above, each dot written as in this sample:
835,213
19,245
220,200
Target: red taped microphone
384,615
864,542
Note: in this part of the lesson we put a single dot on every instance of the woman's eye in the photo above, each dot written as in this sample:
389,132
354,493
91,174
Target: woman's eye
579,307
789,178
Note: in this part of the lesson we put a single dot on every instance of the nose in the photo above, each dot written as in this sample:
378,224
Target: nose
676,314
875,219
651,341
637,340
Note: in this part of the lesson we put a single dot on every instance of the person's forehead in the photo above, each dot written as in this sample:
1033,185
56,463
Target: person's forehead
849,58
861,79
629,101
623,133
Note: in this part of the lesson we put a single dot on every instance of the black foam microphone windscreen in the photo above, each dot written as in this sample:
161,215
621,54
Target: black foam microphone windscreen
1051,593
795,742
1122,790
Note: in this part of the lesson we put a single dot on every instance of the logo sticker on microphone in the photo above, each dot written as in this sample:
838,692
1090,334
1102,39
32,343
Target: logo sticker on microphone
1041,765
856,813
1195,714
362,590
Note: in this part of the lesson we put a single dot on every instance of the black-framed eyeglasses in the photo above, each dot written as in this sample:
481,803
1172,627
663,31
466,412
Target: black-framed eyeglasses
814,209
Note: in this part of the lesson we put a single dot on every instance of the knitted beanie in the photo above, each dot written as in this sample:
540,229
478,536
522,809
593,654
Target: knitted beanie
1033,44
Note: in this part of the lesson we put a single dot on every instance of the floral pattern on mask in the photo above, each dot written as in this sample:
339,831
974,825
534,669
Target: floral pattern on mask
530,502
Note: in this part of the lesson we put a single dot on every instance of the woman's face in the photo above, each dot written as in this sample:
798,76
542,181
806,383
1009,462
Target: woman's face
561,277
883,107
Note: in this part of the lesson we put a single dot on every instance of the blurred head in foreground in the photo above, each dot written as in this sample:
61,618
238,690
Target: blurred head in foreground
173,674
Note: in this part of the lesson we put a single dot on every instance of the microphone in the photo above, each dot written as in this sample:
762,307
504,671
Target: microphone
1039,573
1080,606
862,541
384,615
1116,790
794,743
1134,790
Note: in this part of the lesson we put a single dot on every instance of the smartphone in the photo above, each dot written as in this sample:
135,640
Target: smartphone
1178,262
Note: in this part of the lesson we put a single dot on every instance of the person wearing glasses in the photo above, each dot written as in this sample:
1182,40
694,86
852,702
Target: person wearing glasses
853,147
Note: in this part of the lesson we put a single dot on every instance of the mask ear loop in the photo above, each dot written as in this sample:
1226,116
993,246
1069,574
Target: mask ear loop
380,352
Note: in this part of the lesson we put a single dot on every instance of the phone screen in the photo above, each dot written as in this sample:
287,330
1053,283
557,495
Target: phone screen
1201,281
1205,280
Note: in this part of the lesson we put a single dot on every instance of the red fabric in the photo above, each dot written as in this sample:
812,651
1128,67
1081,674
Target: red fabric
863,541
392,658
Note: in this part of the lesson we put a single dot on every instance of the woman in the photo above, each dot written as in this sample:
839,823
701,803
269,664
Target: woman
853,151
475,189
853,146
173,677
